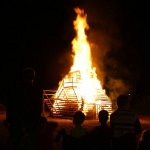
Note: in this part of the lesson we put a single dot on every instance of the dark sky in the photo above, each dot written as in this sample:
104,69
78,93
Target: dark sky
39,35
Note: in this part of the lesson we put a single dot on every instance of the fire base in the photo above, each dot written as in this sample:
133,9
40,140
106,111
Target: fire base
66,100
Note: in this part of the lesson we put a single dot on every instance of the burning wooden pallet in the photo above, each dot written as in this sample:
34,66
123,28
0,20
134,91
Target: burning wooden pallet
60,107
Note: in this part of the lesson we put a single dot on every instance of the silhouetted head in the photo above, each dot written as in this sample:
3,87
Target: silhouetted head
28,75
145,136
123,101
78,118
103,116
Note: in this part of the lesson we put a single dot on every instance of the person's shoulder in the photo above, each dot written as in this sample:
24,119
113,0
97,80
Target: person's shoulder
44,130
80,129
72,129
107,126
83,128
103,127
50,123
123,112
131,113
48,126
96,128
38,91
18,89
113,113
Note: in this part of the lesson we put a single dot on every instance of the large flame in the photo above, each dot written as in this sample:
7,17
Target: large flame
89,84
83,60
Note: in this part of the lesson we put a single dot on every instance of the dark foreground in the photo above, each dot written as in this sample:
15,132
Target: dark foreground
62,123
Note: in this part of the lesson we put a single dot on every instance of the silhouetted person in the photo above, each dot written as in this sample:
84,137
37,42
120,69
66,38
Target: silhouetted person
144,143
73,141
45,132
78,130
24,112
125,125
102,134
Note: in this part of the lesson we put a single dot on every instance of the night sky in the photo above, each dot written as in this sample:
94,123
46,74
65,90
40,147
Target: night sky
39,34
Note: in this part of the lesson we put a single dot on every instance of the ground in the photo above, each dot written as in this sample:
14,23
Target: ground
62,123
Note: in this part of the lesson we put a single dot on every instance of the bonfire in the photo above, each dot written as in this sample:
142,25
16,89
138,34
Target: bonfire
80,89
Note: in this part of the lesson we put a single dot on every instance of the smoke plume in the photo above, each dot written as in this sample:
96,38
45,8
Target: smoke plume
106,45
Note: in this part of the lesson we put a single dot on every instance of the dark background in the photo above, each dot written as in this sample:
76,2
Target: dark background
39,34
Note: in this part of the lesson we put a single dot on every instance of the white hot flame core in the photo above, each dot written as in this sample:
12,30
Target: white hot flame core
82,59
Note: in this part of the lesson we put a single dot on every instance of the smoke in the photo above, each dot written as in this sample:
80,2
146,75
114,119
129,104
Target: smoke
115,87
106,47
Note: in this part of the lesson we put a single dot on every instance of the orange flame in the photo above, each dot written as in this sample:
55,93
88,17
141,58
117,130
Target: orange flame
82,59
89,87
